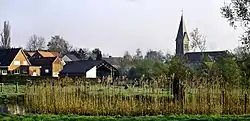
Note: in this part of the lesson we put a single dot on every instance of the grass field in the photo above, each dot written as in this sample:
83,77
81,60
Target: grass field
12,89
119,118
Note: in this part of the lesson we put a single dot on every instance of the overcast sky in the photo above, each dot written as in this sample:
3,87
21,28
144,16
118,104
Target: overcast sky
115,26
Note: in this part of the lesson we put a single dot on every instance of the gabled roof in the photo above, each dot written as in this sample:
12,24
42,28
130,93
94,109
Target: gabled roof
80,66
42,61
29,53
8,55
195,57
47,54
113,60
72,57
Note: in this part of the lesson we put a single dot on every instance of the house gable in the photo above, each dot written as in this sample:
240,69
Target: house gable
57,66
19,59
91,73
87,68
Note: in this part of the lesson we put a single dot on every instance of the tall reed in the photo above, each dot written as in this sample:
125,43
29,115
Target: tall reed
67,96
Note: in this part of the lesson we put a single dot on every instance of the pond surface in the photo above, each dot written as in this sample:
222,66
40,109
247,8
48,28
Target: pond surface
12,109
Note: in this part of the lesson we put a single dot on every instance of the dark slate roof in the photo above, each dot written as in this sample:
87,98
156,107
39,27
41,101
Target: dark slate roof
195,57
8,55
29,53
42,61
80,66
113,60
72,57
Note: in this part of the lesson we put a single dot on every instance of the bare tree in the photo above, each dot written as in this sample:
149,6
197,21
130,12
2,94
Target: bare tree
58,44
36,43
198,40
5,35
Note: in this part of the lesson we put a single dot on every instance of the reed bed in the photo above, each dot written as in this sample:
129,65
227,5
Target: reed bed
78,97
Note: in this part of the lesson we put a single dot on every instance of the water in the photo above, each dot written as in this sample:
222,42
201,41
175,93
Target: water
12,109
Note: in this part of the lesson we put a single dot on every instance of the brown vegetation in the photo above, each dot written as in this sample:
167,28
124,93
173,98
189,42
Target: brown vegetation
67,96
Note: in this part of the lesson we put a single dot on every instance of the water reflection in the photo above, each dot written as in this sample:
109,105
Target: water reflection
12,109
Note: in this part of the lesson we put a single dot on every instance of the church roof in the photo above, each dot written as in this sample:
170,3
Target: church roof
182,39
196,57
182,31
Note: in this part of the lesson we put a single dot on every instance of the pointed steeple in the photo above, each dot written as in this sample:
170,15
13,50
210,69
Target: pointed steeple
182,39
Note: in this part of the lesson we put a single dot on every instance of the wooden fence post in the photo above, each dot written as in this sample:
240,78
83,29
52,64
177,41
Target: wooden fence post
245,105
16,87
223,101
1,87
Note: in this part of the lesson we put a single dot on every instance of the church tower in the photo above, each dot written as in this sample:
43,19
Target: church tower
182,39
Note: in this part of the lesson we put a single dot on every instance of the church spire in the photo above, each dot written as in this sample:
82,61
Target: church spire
182,39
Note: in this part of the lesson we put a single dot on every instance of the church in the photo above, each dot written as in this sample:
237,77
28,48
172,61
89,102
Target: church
193,58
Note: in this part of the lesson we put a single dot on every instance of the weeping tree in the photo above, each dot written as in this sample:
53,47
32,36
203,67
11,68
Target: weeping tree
237,13
5,35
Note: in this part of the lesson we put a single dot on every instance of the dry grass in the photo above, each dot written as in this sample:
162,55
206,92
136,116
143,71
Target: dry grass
77,97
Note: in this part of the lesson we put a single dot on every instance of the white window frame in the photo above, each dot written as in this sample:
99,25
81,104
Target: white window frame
17,71
4,72
46,71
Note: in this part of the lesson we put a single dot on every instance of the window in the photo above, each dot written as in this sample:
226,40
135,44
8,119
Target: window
25,71
17,71
17,63
46,70
4,72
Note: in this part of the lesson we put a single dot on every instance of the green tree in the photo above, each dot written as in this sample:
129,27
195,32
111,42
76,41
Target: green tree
58,44
243,61
154,55
229,70
148,69
5,35
125,64
98,53
138,55
180,71
237,12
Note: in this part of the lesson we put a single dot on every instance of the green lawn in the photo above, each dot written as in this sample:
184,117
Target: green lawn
119,118
10,89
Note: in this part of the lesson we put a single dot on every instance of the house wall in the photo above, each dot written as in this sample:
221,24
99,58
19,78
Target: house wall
19,60
34,71
57,66
46,71
91,73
